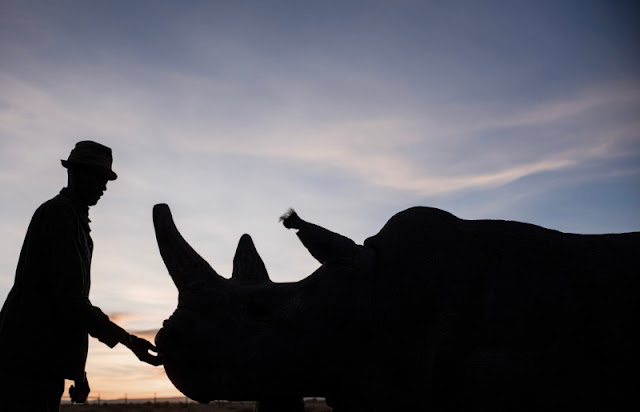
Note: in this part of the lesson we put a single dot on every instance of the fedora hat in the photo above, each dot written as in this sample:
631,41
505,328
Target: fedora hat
93,155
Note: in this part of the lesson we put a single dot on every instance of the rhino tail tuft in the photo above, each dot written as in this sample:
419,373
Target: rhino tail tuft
290,219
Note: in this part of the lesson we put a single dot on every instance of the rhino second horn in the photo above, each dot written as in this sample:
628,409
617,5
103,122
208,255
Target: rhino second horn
186,267
248,267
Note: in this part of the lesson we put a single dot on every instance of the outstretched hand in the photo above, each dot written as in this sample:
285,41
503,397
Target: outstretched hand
141,347
79,391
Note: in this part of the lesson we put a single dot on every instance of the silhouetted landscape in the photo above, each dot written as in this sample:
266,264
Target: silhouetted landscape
311,405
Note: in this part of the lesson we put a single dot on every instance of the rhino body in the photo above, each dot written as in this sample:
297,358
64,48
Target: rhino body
432,313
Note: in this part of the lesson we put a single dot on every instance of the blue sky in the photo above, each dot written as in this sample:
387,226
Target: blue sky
233,111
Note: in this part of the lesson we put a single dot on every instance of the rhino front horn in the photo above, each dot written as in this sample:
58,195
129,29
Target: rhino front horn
248,267
186,267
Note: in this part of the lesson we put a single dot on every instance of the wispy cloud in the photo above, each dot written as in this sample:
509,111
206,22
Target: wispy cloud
381,151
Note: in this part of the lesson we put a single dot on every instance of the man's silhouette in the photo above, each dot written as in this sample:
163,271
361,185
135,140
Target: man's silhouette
46,319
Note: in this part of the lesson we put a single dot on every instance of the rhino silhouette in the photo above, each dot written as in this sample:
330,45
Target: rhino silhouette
432,313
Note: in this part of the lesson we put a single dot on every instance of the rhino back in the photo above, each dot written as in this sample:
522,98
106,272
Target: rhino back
499,313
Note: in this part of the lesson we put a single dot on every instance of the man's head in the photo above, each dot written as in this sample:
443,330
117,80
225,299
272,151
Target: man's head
89,166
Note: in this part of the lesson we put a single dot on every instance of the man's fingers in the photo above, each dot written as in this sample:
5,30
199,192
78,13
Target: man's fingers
152,359
148,347
144,343
141,347
156,361
142,352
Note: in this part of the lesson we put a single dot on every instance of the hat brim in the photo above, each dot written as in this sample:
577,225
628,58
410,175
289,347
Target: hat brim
110,174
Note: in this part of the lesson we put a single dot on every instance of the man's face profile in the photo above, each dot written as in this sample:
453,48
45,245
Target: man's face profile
89,183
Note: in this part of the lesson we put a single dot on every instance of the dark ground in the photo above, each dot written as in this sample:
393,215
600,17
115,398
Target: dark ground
310,406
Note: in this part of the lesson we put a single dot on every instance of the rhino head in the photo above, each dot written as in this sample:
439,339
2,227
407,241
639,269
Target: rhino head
247,338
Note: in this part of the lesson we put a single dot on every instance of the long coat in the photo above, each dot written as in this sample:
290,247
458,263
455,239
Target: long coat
47,315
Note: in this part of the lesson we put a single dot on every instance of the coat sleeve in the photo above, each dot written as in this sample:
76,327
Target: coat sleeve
68,271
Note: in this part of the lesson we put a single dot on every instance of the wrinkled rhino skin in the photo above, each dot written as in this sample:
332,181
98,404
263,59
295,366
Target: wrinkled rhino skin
432,313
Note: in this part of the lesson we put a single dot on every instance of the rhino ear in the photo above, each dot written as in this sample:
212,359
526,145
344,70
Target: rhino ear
186,267
247,264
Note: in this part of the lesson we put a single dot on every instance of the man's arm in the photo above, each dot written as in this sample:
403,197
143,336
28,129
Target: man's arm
69,264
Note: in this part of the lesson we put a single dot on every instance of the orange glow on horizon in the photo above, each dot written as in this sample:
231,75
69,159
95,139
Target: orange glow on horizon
116,373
